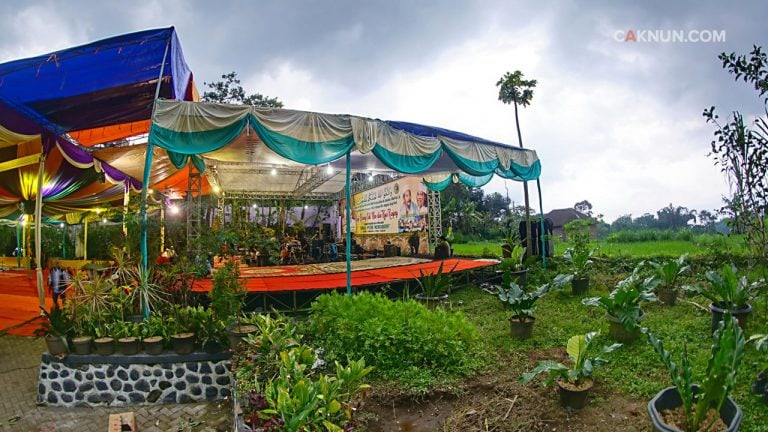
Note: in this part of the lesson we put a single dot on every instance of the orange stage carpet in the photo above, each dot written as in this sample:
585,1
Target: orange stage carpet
19,302
367,272
19,310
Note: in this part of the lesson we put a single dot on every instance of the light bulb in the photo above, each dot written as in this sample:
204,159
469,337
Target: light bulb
329,169
273,172
174,209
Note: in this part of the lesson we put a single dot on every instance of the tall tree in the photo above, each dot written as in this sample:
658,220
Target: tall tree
230,91
741,151
515,90
584,207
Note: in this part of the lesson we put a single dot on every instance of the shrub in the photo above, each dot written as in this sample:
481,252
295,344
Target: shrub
402,340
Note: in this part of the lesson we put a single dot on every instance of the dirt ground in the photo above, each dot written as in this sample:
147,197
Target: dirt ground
499,402
488,404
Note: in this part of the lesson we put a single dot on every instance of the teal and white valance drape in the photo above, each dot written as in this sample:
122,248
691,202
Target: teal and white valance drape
189,129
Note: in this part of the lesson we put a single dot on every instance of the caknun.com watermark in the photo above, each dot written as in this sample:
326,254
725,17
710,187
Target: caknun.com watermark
670,36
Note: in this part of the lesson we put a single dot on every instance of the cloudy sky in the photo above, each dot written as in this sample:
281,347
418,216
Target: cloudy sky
616,123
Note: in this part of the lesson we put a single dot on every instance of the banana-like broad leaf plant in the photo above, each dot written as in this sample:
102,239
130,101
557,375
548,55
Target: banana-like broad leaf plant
521,302
727,289
624,301
670,271
585,360
724,360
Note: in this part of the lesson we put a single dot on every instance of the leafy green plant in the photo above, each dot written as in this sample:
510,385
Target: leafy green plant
403,340
516,260
727,289
670,271
579,261
723,364
155,326
207,327
521,302
624,301
584,362
435,284
228,293
578,233
56,322
126,329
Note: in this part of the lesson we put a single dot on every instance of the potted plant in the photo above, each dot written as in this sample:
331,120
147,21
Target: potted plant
55,327
511,239
728,292
573,382
515,264
580,262
522,305
227,297
103,341
622,305
127,334
761,383
181,329
82,327
434,287
155,334
690,407
668,274
211,331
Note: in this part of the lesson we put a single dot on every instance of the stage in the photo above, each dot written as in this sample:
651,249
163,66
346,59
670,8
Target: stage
291,287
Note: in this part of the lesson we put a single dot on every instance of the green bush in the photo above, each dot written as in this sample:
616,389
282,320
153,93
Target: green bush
404,341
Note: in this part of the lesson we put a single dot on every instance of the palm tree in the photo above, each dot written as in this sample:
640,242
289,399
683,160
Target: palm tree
513,89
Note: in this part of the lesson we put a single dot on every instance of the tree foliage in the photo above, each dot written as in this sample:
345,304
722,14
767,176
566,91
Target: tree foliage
584,207
229,91
741,152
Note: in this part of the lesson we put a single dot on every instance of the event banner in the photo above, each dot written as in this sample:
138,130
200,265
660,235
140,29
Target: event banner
396,207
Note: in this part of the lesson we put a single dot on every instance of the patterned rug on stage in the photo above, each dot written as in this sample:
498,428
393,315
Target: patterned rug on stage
327,268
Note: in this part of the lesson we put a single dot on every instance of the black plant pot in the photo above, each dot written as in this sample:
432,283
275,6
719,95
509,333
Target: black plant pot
669,399
183,343
431,302
153,345
128,345
211,347
81,345
579,286
522,327
618,332
104,346
668,296
520,276
237,332
740,314
575,399
56,345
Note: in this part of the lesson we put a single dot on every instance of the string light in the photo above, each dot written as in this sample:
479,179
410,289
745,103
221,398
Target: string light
274,171
216,189
174,209
329,169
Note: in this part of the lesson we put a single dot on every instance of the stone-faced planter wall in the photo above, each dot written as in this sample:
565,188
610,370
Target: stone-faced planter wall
116,380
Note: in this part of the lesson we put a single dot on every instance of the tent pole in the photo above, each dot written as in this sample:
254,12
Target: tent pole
38,231
19,243
126,201
541,221
145,181
162,225
348,211
85,239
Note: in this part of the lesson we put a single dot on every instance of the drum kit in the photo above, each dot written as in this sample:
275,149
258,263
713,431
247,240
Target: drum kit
294,252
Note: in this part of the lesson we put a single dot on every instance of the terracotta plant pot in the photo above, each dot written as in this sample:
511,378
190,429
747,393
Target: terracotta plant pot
104,346
574,398
522,327
128,345
81,345
56,345
669,399
618,332
237,332
183,343
579,286
431,302
740,314
668,296
153,345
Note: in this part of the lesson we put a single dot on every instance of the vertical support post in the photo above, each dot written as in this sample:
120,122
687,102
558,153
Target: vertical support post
348,213
162,225
38,231
85,239
19,243
63,241
543,233
126,201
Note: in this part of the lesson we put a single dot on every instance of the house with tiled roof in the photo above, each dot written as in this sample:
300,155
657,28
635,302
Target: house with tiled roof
560,217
